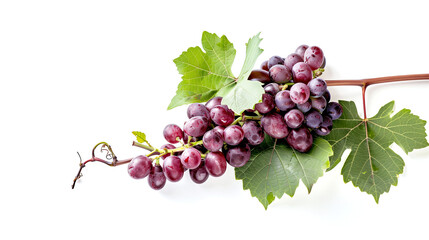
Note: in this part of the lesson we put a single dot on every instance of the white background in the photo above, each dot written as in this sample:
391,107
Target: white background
74,73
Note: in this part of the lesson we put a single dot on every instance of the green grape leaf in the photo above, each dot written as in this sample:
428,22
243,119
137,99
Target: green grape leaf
141,137
372,165
208,73
274,168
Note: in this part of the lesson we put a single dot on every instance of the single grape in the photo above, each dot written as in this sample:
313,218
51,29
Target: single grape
172,132
198,109
327,95
300,139
283,101
220,130
190,158
299,93
305,107
313,119
294,118
233,135
275,60
317,87
301,50
239,155
266,105
167,146
213,140
274,125
260,75
313,56
318,103
221,115
215,163
173,169
199,175
196,126
334,110
293,59
156,178
302,72
264,65
272,88
139,167
213,103
325,128
253,133
280,74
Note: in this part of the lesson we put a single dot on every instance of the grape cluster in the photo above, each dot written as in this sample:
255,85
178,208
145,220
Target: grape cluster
295,107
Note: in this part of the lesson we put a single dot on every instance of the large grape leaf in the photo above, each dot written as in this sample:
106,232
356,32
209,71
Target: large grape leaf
274,168
208,74
372,165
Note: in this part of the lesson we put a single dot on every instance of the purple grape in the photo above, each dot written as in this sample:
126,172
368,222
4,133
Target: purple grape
275,60
305,107
313,119
221,115
190,158
300,139
172,132
213,103
301,50
293,59
167,146
294,118
272,88
196,126
198,109
280,74
274,125
334,110
220,130
200,148
199,175
325,128
266,105
238,156
233,135
215,163
139,167
260,75
299,93
302,72
318,103
327,95
213,141
283,101
253,133
264,65
156,178
313,56
317,87
173,169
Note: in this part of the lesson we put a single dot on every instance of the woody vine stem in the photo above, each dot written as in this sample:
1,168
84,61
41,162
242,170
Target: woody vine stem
112,160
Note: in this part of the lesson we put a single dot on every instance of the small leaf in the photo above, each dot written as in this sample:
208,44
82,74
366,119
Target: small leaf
372,165
274,169
141,137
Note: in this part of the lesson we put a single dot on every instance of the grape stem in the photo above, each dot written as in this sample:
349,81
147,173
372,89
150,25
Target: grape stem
364,83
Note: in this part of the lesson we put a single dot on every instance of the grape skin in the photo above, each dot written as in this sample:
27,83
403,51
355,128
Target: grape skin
302,72
301,50
172,132
274,125
199,175
334,110
280,74
157,178
283,101
260,75
294,118
222,115
300,139
233,135
272,88
238,156
313,119
215,164
213,140
317,87
266,105
253,133
173,168
292,59
198,109
299,93
313,56
275,60
190,158
196,126
216,101
140,167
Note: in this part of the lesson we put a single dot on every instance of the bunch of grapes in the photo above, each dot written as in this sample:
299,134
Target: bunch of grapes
295,107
